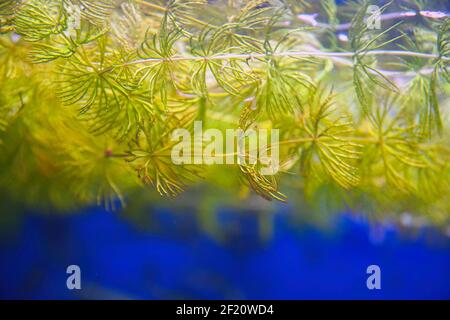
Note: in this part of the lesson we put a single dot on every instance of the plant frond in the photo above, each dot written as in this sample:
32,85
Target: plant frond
433,119
55,152
363,40
63,45
159,75
280,87
110,101
127,26
124,117
181,14
230,74
97,11
37,20
95,170
12,58
264,186
85,83
7,7
330,8
432,179
3,125
151,158
423,89
7,12
396,148
324,141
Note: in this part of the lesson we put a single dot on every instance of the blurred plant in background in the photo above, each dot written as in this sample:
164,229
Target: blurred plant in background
87,109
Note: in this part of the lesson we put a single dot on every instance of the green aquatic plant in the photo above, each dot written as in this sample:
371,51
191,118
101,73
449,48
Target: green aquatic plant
91,92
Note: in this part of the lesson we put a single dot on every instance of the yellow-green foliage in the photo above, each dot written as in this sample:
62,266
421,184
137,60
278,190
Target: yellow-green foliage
86,113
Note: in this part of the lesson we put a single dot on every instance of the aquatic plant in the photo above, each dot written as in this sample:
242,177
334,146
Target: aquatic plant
92,90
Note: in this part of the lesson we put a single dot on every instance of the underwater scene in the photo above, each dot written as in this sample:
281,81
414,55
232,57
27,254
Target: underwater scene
224,150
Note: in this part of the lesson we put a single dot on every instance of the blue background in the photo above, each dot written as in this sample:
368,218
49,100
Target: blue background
176,260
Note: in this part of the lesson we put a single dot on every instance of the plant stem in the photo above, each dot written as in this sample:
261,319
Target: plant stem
152,6
397,53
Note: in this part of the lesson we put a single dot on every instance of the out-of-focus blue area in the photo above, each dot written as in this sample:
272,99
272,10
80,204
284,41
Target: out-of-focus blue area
119,260
176,260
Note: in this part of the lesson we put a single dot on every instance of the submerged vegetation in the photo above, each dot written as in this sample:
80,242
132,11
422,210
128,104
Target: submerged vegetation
90,92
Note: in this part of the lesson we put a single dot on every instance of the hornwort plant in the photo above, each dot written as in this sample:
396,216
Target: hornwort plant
89,102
